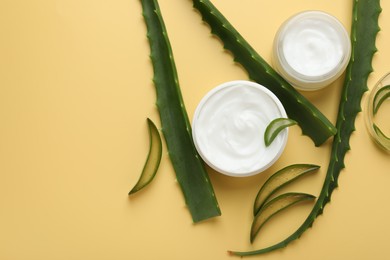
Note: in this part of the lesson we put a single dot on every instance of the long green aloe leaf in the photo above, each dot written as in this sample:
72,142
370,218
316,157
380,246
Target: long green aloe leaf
176,128
312,122
152,161
363,34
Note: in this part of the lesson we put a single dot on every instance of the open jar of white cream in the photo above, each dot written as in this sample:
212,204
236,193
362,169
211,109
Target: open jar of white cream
311,50
229,124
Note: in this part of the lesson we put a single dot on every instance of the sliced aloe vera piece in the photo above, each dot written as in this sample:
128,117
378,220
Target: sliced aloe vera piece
153,159
380,134
279,180
381,96
275,206
275,127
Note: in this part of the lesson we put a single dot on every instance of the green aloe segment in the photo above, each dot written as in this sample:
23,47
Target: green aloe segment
311,120
363,34
153,159
380,97
279,180
190,170
275,127
275,206
380,134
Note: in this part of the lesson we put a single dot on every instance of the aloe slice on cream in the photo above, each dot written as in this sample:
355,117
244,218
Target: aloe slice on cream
275,127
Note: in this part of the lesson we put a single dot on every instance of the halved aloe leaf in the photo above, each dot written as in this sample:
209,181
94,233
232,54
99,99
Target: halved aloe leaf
381,96
280,179
275,127
152,161
275,206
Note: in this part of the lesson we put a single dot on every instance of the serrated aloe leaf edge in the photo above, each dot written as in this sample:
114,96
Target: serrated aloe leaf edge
190,170
364,29
312,122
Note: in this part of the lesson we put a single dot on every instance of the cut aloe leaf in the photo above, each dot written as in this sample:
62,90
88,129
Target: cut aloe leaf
380,96
275,206
279,180
153,159
380,134
275,127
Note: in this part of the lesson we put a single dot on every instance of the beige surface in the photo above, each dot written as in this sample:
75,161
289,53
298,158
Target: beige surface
75,89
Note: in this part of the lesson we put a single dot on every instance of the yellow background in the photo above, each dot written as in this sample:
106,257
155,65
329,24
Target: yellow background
75,91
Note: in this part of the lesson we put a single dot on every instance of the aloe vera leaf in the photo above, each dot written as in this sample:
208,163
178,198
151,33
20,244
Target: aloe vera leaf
190,170
153,159
275,127
274,207
380,134
278,180
380,97
363,34
312,122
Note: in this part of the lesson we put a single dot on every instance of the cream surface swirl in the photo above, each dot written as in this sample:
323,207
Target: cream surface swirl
229,126
311,50
313,47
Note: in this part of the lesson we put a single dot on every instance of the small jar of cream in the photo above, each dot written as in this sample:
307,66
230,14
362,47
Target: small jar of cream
229,124
311,50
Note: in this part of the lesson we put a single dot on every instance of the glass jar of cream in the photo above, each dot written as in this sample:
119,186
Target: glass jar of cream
311,50
376,116
229,124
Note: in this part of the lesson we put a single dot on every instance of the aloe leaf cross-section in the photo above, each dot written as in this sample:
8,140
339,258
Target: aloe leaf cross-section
152,161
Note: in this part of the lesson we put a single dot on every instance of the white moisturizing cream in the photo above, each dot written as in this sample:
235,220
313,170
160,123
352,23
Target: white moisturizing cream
229,124
311,50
